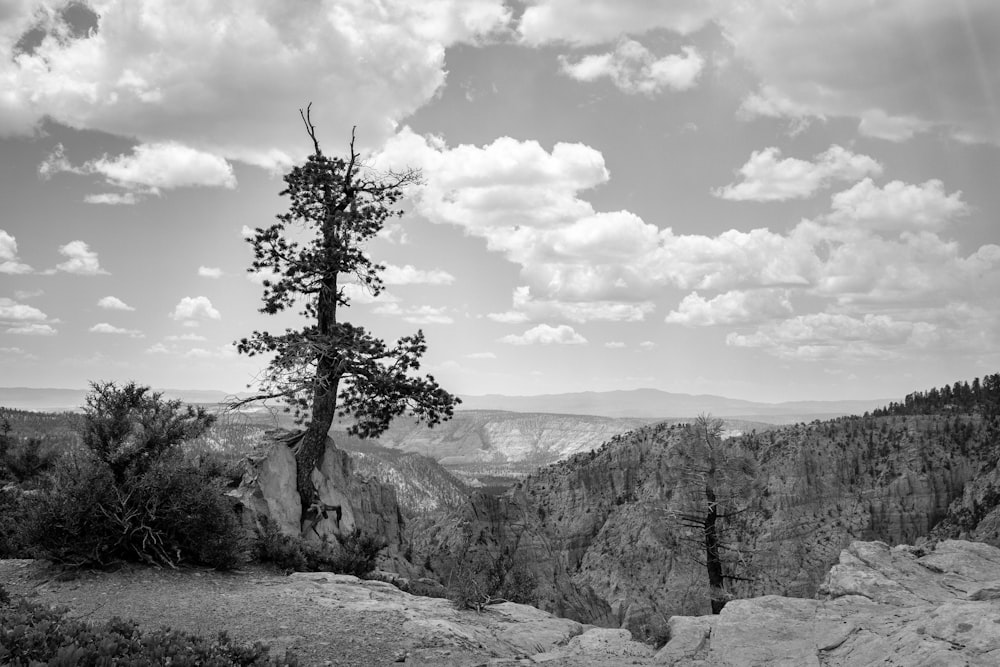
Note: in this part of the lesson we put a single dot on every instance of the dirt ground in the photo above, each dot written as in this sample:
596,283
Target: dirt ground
254,604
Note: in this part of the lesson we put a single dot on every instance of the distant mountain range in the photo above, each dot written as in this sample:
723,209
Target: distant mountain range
656,404
636,403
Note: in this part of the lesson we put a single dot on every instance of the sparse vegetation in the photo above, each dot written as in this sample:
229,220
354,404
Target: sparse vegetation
33,634
485,576
355,553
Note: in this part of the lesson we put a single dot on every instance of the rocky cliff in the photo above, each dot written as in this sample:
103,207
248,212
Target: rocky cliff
421,484
268,489
606,536
519,441
878,606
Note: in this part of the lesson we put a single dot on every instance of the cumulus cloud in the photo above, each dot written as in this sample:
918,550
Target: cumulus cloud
898,205
106,328
192,73
600,21
148,170
12,310
80,259
225,351
889,69
768,177
9,262
543,334
195,308
209,272
614,345
733,307
113,303
408,275
634,69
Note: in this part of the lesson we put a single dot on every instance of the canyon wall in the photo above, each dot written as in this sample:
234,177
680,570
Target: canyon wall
607,540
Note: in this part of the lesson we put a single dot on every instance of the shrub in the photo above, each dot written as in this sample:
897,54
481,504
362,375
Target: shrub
131,495
169,514
32,634
483,578
12,518
24,460
356,552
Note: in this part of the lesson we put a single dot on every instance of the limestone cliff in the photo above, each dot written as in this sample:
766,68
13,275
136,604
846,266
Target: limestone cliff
602,529
268,489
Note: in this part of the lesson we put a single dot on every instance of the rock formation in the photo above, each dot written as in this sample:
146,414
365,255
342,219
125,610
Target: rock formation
602,533
877,606
268,489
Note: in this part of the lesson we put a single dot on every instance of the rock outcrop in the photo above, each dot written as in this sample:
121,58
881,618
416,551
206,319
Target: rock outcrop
877,606
268,489
603,534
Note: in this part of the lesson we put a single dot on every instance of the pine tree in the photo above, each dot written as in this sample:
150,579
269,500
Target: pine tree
330,368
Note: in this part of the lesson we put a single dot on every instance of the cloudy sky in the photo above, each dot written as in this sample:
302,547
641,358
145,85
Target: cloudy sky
774,201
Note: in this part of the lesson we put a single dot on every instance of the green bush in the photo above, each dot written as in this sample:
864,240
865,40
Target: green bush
169,514
356,553
12,518
130,494
483,578
24,460
32,634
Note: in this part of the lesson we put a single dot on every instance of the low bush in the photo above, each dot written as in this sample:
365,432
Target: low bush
167,514
483,578
32,634
356,553
12,517
23,460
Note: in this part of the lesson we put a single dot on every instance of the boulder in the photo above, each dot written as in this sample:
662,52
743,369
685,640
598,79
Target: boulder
879,605
268,490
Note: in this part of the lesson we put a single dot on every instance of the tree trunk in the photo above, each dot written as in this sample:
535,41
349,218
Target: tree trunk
713,560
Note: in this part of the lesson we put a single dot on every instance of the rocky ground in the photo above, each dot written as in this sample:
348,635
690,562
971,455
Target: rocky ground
879,605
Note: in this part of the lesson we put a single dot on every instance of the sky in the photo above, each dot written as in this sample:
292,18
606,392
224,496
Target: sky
773,201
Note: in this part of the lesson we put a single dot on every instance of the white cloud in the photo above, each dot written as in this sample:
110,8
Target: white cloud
246,231
158,348
393,233
9,262
417,315
357,294
190,72
32,329
481,355
767,177
148,170
599,21
209,272
408,275
634,69
225,351
647,345
106,328
543,334
822,336
187,336
113,303
526,308
733,307
12,310
614,345
112,198
81,260
898,205
258,277
194,308
887,65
